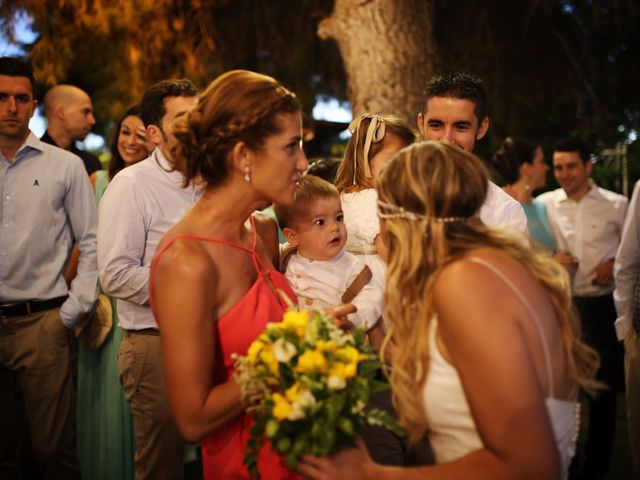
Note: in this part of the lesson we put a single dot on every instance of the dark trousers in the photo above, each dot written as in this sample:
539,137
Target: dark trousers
385,447
597,315
36,387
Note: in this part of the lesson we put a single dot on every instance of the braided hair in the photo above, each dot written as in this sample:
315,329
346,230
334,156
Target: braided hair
237,106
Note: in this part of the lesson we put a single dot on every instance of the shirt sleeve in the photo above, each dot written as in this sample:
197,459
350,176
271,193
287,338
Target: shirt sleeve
501,211
122,235
80,205
627,265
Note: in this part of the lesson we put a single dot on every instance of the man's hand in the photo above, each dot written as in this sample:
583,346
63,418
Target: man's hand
603,273
568,261
142,139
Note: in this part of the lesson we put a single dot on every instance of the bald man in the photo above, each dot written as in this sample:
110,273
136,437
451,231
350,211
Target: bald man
70,118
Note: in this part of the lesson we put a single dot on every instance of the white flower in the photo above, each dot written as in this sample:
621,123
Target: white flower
305,399
336,383
283,350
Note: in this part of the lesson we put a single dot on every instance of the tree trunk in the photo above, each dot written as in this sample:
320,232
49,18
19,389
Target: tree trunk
388,52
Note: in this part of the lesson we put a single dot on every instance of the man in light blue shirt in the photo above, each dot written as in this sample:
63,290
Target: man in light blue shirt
46,205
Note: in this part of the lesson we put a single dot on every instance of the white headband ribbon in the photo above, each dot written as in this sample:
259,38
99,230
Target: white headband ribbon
375,134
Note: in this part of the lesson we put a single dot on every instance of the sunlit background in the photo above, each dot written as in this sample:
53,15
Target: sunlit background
329,109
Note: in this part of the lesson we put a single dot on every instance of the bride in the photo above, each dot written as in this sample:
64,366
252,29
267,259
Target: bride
488,359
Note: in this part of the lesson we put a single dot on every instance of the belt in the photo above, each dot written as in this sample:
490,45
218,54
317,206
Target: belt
143,331
32,306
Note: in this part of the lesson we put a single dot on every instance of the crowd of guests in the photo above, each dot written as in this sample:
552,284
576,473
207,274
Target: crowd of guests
493,307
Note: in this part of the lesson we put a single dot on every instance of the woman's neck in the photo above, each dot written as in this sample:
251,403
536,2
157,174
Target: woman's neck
222,212
520,191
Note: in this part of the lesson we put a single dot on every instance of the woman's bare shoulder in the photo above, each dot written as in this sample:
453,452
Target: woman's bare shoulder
184,257
479,282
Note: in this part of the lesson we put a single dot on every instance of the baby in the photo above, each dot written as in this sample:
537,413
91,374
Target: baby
313,261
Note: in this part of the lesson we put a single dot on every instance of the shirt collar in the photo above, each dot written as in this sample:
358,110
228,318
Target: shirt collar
594,192
32,142
158,158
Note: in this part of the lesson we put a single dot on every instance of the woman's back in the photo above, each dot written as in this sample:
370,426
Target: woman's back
523,310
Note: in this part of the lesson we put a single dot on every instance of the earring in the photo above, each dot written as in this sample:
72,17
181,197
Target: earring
247,175
527,186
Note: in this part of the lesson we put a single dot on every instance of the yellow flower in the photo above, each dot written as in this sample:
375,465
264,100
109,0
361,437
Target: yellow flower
269,359
326,345
293,392
350,354
254,351
281,408
296,321
311,361
350,370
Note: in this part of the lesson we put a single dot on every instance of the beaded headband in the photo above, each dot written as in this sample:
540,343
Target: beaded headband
375,134
399,212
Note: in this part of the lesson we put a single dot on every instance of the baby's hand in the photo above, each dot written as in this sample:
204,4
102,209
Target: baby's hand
339,315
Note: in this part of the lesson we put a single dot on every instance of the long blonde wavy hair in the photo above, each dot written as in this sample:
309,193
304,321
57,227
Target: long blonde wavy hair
424,185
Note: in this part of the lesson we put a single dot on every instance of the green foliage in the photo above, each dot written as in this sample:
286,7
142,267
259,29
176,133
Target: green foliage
552,67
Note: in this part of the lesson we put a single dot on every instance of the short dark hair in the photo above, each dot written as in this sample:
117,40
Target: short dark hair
461,85
573,144
152,106
17,67
310,189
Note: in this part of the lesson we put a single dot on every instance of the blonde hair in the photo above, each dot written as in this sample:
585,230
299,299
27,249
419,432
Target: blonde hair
351,170
426,192
237,106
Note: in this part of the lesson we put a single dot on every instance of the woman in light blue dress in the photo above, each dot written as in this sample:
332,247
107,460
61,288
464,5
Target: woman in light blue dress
106,442
521,164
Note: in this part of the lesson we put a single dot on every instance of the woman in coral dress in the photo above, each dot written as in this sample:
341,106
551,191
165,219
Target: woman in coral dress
214,287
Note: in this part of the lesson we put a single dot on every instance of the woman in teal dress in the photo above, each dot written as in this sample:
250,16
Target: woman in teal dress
105,427
521,164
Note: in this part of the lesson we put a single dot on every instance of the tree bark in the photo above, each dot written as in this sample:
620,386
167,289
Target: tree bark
388,51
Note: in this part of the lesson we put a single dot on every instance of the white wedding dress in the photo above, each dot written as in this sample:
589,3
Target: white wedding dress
453,432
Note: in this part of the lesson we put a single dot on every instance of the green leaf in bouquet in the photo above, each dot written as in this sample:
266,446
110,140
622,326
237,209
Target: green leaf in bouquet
283,444
379,418
251,457
359,335
325,443
271,428
369,368
347,426
333,406
299,448
376,386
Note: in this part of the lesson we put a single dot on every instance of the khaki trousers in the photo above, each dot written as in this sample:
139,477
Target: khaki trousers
632,379
36,378
159,446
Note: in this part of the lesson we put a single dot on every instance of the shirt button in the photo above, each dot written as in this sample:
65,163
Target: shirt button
308,301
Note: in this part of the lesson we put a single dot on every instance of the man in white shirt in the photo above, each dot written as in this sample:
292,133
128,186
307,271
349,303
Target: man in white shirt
587,222
626,272
140,204
455,111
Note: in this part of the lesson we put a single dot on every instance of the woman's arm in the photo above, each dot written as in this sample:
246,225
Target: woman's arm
184,286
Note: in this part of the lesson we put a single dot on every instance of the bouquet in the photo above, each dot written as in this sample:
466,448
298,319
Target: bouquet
310,382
